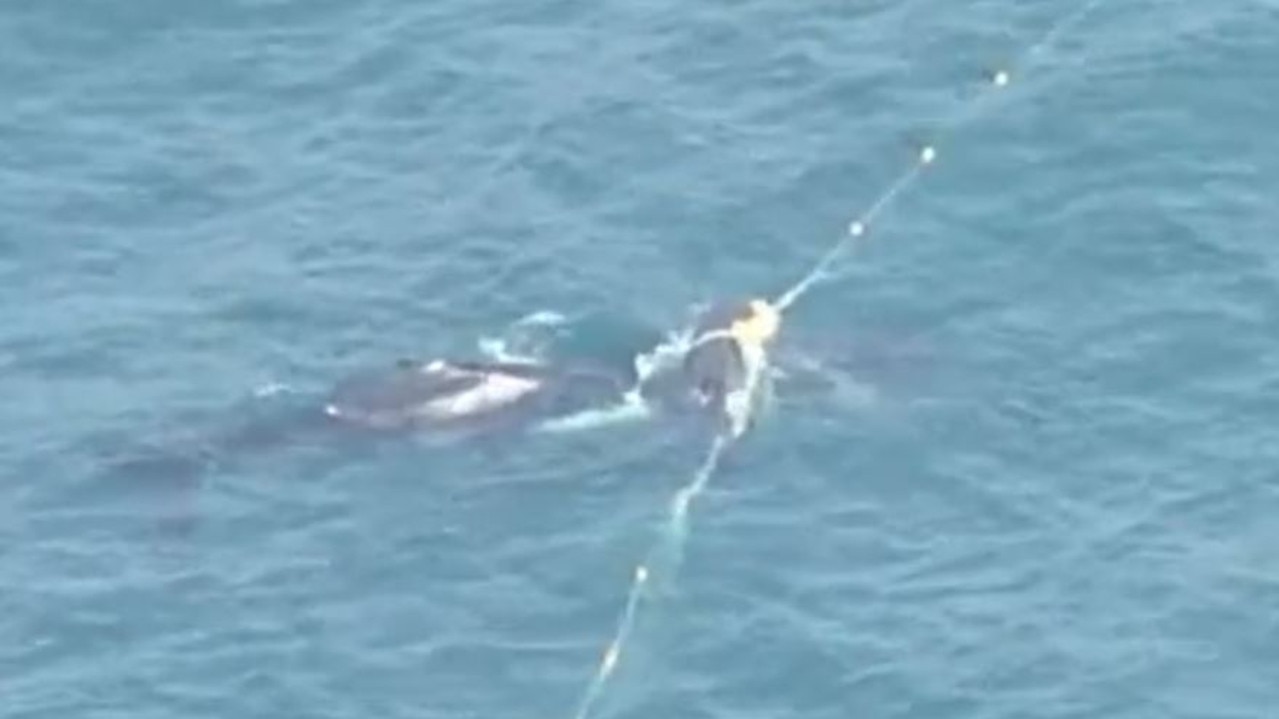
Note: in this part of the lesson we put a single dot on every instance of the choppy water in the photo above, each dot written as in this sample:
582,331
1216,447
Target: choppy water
1038,478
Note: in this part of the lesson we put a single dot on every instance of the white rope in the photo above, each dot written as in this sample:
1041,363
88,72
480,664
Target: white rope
677,527
927,155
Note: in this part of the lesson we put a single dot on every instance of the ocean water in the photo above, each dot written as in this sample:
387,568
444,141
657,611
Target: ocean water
1030,467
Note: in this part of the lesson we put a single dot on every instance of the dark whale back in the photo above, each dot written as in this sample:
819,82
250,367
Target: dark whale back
715,366
711,369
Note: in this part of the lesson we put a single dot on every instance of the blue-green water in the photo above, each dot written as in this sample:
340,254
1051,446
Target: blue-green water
1038,478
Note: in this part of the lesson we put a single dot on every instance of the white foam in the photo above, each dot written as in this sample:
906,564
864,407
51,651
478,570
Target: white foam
271,389
542,318
631,409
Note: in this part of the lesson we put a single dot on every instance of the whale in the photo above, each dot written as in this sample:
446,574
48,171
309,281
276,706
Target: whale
723,368
715,379
443,395
711,383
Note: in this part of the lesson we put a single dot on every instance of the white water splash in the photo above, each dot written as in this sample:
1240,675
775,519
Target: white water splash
743,405
666,356
524,340
632,409
271,389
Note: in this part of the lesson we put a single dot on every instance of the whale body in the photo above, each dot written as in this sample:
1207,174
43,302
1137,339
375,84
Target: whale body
450,395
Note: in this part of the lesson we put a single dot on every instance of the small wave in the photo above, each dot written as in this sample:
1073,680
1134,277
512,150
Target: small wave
632,409
524,340
541,318
499,349
272,389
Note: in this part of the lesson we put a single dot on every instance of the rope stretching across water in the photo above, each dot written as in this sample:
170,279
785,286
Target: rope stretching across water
668,552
